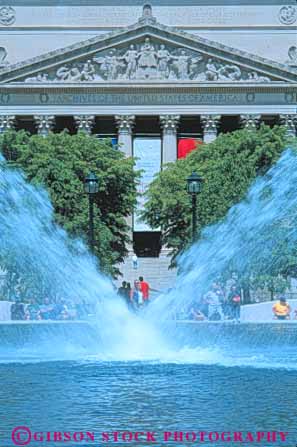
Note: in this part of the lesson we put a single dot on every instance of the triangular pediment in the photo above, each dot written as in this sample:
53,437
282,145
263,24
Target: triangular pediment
147,52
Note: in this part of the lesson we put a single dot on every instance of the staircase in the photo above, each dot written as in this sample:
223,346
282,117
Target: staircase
154,271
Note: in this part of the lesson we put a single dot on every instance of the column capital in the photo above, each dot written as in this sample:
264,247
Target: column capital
169,123
84,123
6,122
45,124
125,123
210,124
250,122
290,123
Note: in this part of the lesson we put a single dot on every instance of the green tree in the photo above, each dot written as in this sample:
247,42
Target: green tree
60,162
228,165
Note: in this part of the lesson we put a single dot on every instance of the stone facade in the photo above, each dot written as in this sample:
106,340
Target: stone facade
195,58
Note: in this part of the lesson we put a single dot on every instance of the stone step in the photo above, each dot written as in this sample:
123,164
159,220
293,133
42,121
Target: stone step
154,270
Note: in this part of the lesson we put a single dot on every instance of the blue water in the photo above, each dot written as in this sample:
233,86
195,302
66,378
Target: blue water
106,396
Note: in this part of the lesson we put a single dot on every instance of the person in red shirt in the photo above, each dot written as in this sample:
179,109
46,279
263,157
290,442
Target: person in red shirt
145,289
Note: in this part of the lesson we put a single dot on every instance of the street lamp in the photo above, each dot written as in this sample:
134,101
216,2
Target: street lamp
194,187
91,188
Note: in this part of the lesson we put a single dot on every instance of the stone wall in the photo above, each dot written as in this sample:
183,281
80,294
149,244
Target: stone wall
267,29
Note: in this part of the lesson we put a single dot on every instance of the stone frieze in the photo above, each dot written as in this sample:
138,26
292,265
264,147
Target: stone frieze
149,61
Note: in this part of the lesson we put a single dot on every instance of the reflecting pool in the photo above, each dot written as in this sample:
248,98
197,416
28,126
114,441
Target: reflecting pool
191,391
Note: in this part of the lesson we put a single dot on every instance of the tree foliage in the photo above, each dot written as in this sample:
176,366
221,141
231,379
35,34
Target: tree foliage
60,163
228,166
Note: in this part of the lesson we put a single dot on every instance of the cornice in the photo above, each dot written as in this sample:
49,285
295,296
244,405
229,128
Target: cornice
143,87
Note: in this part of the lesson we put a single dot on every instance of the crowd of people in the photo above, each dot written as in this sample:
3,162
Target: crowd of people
137,296
215,305
49,310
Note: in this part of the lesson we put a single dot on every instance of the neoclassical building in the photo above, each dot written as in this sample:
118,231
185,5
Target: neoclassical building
148,76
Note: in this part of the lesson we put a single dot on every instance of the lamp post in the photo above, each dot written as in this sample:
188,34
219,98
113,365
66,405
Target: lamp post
194,187
91,188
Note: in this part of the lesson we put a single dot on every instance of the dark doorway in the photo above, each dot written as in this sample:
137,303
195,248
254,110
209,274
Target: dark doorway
147,244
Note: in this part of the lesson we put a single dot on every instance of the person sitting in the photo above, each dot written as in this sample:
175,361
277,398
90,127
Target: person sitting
281,309
33,310
59,309
196,314
47,310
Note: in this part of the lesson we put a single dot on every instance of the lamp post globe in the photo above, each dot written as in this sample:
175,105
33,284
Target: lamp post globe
91,185
194,187
194,183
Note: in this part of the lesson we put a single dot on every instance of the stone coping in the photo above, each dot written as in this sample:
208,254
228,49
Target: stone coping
179,322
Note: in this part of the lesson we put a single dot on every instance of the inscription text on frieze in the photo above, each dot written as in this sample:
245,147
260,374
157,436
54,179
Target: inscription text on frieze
145,99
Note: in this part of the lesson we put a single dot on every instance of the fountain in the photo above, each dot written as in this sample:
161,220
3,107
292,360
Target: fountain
119,374
255,235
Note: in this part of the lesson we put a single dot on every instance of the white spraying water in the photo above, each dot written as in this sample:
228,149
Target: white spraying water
44,252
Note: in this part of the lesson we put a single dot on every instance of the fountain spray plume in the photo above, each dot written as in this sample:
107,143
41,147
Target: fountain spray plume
38,252
256,235
43,261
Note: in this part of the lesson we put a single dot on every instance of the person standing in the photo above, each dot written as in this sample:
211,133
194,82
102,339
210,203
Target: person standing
234,303
145,289
17,310
137,295
123,289
213,299
135,261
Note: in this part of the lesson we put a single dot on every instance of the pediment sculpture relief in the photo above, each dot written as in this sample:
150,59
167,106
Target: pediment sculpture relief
153,62
292,53
3,56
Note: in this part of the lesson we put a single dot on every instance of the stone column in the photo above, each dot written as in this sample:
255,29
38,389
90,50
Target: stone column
290,123
210,125
45,124
169,124
6,122
125,124
84,123
250,122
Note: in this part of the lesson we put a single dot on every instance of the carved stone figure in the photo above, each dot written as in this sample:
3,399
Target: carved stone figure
3,55
229,73
164,58
147,60
253,76
153,62
66,73
288,15
41,77
292,53
7,15
88,72
195,65
211,73
130,57
182,65
110,65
